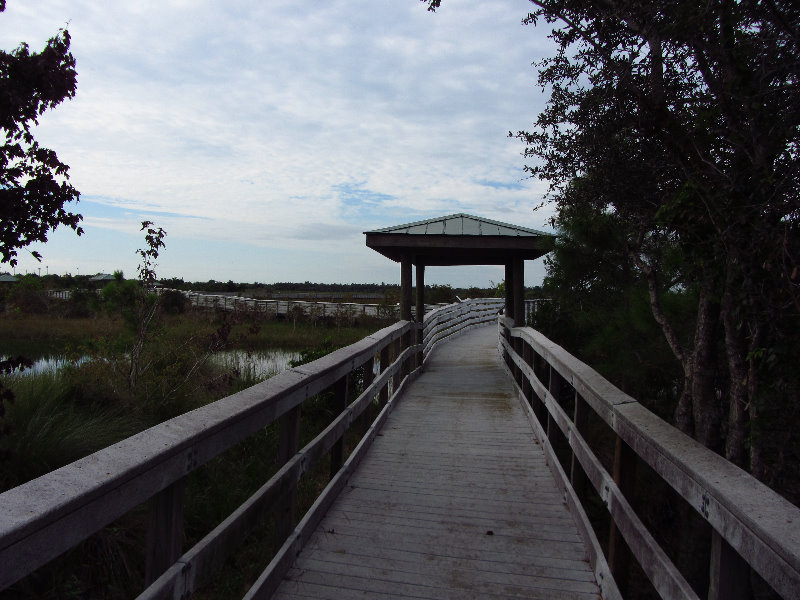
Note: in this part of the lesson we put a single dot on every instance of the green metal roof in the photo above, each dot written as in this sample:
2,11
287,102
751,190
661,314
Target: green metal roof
460,224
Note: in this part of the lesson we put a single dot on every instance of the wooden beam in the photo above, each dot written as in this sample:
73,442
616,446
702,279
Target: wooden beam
369,376
762,527
289,444
341,390
580,418
405,288
420,308
519,292
729,573
165,530
509,285
619,554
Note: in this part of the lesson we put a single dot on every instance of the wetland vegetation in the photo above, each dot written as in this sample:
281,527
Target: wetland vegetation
60,415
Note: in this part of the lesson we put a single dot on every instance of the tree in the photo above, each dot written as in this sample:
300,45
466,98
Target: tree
34,183
146,303
680,121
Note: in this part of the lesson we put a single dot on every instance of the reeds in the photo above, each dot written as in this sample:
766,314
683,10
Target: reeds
59,417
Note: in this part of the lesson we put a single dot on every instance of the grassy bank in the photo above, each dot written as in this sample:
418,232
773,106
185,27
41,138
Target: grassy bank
35,335
57,418
40,335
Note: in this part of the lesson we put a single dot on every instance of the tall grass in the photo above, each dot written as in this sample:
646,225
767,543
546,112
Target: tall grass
40,335
60,417
46,428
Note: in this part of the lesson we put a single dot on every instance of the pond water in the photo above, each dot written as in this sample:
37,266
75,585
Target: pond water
50,364
259,365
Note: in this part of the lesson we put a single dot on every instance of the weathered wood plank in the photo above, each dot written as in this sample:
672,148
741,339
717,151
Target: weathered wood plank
43,518
406,561
414,573
756,522
345,586
430,513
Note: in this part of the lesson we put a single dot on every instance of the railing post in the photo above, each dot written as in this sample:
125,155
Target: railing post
619,555
554,387
527,356
396,349
507,335
165,530
369,376
385,360
289,444
408,340
729,574
580,418
340,391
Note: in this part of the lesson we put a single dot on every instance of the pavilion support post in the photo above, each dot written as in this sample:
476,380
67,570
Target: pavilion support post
405,309
518,314
405,288
509,284
519,292
420,308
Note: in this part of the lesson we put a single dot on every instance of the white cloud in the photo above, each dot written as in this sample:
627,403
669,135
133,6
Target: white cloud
243,120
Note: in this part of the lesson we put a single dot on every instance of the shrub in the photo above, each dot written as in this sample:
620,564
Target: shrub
173,302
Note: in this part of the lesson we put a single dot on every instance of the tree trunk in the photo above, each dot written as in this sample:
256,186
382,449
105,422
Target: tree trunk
683,413
737,373
698,411
756,462
705,406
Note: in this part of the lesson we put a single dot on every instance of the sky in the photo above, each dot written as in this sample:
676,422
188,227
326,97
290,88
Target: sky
266,136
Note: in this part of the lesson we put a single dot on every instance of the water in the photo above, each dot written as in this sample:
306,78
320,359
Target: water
260,365
50,364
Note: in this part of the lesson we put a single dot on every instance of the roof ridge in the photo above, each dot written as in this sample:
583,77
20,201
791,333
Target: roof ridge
480,221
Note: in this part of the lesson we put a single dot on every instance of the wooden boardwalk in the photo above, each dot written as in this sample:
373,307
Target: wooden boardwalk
453,500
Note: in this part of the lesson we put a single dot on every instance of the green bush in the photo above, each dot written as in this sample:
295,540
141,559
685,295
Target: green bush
173,302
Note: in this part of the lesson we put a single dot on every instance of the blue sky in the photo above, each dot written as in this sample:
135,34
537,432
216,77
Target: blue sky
266,137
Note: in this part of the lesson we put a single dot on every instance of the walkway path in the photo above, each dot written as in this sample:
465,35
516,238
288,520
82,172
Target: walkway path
453,500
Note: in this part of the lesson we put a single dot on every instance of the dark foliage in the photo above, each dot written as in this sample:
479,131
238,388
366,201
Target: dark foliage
34,183
679,124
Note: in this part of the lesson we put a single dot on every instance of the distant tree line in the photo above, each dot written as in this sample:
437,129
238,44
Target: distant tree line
32,286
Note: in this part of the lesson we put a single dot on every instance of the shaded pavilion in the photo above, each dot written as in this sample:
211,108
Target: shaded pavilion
460,239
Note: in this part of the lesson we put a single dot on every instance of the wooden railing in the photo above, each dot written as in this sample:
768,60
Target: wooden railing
312,309
44,518
750,525
458,318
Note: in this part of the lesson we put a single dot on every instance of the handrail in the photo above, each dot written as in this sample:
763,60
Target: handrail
752,525
285,306
458,318
47,516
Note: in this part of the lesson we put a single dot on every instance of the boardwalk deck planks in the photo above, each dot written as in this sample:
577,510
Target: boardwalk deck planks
454,499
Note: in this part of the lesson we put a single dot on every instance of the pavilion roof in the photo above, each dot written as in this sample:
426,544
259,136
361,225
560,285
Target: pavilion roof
459,239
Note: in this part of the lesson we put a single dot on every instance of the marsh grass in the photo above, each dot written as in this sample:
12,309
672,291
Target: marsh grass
39,335
60,417
48,429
